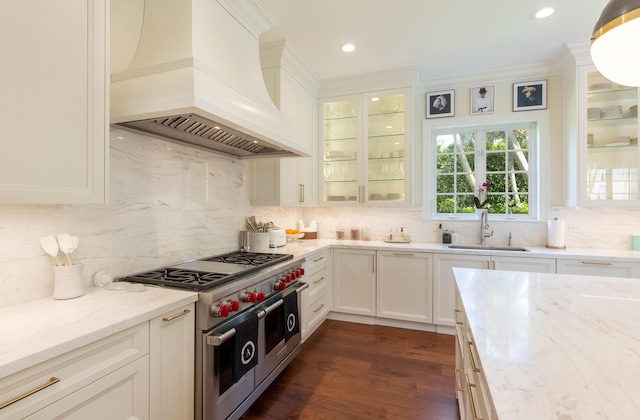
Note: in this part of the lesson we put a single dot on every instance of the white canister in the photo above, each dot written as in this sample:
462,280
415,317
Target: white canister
258,241
68,281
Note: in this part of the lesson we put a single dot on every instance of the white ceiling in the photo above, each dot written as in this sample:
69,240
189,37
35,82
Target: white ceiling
441,36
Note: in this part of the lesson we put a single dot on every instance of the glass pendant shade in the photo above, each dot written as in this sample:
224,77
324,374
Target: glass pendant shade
615,44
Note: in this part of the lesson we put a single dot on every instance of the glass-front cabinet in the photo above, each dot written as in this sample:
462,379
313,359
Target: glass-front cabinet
365,148
608,149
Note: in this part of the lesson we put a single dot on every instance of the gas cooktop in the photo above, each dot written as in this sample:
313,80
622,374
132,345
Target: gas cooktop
209,272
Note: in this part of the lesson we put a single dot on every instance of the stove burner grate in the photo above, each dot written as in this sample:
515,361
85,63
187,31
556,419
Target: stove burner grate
254,259
185,279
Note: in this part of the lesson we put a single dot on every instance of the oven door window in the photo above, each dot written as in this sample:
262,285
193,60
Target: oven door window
223,354
274,328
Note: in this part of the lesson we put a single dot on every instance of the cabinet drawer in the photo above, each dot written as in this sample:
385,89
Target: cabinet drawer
316,263
317,311
318,283
75,370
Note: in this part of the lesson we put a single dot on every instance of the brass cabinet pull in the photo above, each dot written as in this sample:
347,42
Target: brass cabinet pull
301,193
318,259
319,309
474,410
52,381
172,317
403,254
474,366
456,313
319,280
597,262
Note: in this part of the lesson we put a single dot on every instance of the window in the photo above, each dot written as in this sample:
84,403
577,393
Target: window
498,155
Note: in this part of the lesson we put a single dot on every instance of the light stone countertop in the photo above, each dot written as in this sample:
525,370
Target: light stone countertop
556,346
39,330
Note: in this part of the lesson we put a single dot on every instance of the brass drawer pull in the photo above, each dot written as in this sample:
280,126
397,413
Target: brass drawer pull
318,259
474,366
474,410
597,262
172,317
319,280
319,309
52,381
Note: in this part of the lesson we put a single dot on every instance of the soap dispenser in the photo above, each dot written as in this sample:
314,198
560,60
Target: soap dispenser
446,237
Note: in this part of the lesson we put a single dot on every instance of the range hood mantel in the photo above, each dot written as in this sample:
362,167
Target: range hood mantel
189,71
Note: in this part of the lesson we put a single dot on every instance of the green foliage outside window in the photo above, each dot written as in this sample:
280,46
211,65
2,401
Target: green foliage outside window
502,160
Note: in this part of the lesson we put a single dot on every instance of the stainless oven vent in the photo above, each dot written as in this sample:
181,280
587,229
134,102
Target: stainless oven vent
204,133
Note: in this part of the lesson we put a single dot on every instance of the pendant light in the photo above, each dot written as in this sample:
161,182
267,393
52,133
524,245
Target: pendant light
615,44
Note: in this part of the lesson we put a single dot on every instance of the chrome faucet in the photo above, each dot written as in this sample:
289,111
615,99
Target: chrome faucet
484,224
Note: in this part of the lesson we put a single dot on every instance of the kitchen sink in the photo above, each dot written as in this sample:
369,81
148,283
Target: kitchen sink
490,247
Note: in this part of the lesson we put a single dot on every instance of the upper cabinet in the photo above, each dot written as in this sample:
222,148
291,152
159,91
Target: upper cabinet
54,102
607,141
365,148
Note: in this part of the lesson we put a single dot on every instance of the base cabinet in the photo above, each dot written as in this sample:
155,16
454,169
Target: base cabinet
316,301
404,286
354,281
108,379
172,365
599,267
472,391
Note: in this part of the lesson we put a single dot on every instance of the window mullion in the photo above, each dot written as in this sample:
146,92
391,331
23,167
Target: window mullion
481,157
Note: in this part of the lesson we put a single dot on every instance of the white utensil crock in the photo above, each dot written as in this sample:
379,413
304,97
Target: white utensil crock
259,241
68,281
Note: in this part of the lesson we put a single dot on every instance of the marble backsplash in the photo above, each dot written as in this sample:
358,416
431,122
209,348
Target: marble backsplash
169,203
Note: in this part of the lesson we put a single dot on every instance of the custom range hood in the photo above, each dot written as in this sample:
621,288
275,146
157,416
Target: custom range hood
189,71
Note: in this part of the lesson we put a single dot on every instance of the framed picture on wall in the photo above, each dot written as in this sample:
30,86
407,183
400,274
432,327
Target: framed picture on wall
528,96
483,100
440,104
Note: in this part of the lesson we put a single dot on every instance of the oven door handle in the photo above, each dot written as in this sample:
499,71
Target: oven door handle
219,339
266,311
302,287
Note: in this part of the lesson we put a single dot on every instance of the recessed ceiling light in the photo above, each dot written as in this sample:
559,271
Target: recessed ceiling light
545,12
375,99
348,47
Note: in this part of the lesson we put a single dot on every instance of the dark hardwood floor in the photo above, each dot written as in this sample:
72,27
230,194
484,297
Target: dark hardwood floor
356,371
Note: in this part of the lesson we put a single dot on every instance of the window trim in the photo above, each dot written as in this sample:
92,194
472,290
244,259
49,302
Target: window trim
539,167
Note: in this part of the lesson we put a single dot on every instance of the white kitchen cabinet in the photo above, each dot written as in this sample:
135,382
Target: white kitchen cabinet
472,391
172,364
607,141
316,301
288,181
405,286
54,101
365,148
444,282
354,274
108,379
598,267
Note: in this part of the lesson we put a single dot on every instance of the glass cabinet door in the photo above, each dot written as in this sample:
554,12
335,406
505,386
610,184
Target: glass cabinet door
611,144
341,138
385,146
364,155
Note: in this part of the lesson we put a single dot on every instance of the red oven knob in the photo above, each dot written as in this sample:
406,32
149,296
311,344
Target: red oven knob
261,297
288,277
220,310
234,306
298,273
249,297
301,270
280,285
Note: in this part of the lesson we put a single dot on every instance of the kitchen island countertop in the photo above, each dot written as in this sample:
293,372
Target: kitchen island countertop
555,346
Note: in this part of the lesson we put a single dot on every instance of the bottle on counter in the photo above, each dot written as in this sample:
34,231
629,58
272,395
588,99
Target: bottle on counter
446,237
455,237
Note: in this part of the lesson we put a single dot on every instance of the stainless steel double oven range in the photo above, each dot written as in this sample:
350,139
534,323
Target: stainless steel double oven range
247,324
